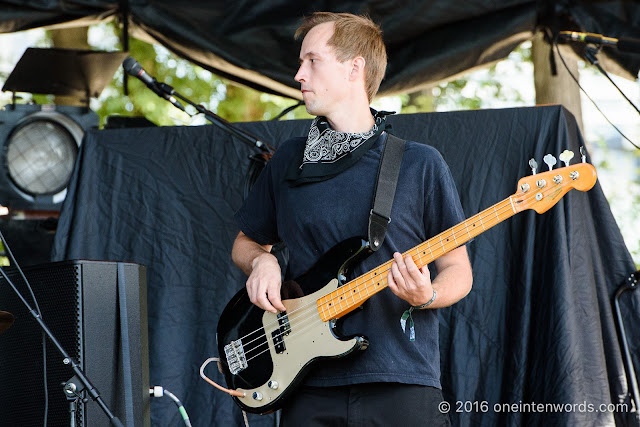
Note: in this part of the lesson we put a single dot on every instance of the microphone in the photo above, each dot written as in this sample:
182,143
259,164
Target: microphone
623,44
133,67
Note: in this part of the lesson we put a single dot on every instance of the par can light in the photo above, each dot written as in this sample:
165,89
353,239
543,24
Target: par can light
39,150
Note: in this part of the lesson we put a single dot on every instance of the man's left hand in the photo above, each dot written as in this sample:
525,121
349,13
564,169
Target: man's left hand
409,282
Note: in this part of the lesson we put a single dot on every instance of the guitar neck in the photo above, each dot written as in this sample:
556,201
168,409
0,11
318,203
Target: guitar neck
352,294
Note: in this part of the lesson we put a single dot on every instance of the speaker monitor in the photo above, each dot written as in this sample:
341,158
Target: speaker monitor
79,304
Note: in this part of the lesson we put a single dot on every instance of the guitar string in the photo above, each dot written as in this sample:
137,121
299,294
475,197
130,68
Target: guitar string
489,212
506,206
301,324
346,287
313,308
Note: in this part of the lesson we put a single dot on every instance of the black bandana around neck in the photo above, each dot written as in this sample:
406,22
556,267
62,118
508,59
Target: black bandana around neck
328,152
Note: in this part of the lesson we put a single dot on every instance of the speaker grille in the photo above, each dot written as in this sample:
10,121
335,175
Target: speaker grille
78,300
21,355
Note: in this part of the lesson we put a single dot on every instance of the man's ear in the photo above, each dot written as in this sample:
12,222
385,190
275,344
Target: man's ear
357,68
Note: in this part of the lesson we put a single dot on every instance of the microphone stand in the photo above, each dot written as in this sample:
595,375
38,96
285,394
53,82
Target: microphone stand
629,285
258,161
244,136
67,360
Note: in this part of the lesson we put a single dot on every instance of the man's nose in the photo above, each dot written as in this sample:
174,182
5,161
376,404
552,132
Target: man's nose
300,75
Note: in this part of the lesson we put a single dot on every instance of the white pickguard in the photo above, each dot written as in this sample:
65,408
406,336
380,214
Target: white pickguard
310,338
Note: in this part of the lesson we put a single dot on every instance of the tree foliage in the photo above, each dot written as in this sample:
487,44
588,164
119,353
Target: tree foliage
484,88
229,100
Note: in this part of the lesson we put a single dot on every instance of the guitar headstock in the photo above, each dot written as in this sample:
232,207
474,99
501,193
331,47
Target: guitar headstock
541,191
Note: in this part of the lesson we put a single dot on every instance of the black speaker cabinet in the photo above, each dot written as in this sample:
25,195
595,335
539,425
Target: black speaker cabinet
79,304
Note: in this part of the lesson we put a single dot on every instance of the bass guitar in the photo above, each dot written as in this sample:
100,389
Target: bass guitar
263,355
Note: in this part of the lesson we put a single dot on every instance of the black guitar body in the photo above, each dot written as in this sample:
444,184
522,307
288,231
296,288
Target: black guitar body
266,355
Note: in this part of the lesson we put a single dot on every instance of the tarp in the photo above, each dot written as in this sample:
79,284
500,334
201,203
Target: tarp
537,327
252,41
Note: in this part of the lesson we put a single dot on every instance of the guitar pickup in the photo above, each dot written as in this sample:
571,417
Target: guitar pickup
283,321
278,341
283,330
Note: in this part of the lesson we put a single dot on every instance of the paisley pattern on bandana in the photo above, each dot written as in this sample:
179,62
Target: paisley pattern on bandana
325,145
327,152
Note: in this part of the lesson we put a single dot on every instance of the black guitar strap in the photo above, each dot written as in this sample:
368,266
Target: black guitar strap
388,170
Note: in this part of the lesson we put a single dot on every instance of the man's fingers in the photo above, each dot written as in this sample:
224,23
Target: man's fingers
396,274
276,302
265,297
412,268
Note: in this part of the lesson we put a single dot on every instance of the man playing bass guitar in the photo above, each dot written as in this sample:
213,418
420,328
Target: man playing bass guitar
316,192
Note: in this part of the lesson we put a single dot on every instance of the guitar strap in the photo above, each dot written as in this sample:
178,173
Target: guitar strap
387,179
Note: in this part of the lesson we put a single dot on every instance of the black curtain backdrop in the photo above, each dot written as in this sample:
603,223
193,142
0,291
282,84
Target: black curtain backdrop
427,41
537,328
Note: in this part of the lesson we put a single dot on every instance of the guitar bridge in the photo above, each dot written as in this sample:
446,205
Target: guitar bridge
236,360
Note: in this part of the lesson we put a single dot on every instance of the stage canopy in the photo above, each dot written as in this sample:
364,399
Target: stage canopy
428,41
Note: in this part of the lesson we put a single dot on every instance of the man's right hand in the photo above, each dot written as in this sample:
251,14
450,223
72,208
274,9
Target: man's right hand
263,285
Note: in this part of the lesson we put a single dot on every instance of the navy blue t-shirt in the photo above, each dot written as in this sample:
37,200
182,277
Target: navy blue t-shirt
312,218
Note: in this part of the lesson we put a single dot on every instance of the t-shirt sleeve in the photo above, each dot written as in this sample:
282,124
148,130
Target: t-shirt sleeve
257,217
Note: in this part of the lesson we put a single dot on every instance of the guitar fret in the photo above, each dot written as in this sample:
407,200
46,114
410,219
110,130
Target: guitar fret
352,292
360,293
329,308
466,227
361,289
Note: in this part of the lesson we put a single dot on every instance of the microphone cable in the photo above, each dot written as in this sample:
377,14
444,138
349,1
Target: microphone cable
590,53
555,42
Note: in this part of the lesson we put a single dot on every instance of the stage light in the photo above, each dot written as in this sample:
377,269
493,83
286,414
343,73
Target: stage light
39,150
39,144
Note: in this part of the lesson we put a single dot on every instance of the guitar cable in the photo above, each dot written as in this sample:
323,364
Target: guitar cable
219,387
213,383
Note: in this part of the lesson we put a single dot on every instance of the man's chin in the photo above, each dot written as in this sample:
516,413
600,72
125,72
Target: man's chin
312,109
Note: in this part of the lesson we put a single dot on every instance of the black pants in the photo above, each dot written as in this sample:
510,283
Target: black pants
376,404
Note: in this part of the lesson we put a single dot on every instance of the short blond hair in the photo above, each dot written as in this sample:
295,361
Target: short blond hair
353,35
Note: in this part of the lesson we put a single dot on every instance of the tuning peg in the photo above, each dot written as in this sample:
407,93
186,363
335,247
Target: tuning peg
583,154
566,156
533,165
550,161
